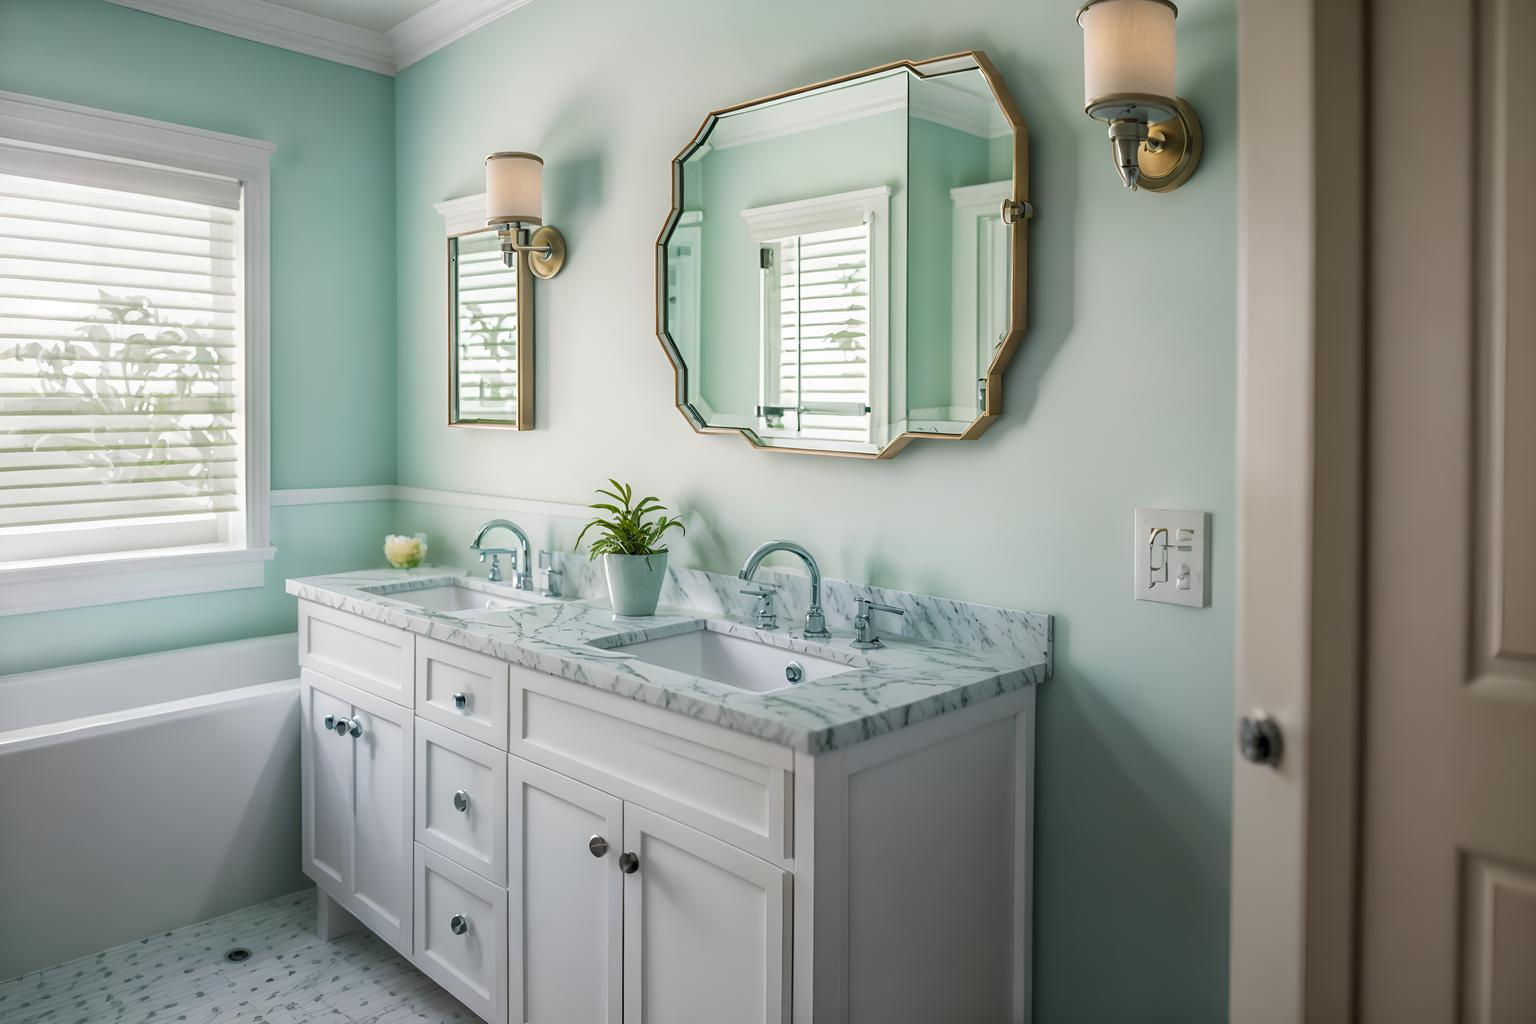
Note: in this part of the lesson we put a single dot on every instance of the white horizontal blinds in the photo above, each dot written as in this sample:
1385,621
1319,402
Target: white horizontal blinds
487,331
824,328
121,363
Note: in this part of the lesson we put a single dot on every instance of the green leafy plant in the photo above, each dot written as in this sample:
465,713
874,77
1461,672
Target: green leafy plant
625,530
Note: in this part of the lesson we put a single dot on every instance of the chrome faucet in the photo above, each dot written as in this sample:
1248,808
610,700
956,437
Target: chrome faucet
815,621
522,571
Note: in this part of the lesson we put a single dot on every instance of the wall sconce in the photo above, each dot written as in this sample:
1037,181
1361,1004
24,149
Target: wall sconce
1128,79
514,204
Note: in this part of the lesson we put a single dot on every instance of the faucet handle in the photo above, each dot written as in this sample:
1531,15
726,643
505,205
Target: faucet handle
763,615
552,573
864,638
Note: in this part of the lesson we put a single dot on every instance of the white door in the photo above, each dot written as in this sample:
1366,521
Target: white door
327,798
706,928
566,899
357,803
1448,818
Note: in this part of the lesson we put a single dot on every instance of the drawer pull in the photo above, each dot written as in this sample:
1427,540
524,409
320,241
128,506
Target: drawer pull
598,845
461,800
458,924
629,863
460,700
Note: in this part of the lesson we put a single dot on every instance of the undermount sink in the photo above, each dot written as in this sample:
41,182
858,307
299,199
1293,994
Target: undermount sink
733,660
460,597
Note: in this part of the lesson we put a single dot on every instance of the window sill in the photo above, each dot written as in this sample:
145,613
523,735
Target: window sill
43,586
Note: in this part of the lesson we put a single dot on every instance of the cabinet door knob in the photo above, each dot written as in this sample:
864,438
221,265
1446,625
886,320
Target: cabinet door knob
349,727
458,924
330,722
341,727
1259,739
460,700
629,863
598,845
461,800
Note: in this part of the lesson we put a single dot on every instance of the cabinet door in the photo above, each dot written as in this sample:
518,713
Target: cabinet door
327,787
706,929
383,793
566,899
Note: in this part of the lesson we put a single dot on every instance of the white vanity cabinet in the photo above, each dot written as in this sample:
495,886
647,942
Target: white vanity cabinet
357,772
551,853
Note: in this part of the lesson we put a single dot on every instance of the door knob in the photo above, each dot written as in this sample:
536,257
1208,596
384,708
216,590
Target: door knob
1259,739
598,845
461,800
458,924
629,863
460,700
330,722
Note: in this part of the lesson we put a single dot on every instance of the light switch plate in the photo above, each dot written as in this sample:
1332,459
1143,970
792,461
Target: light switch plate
1172,552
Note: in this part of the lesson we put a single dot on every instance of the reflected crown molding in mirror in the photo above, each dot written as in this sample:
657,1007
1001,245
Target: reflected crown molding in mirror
865,284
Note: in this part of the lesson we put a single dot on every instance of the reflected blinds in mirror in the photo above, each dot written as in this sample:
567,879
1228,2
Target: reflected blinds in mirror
121,360
486,337
816,334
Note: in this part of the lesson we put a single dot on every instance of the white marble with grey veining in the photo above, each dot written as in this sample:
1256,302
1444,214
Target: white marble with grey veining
941,656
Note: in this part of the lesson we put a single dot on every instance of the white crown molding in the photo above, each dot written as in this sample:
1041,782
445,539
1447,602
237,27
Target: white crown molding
423,33
463,214
282,27
433,28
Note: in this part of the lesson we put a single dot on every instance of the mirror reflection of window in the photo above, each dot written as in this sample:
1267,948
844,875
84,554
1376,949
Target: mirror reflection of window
822,340
485,336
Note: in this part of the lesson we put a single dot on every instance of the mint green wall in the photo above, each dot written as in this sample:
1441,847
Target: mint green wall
1104,411
333,321
940,158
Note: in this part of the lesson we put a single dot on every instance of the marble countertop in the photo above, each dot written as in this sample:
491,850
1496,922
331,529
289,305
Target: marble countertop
905,682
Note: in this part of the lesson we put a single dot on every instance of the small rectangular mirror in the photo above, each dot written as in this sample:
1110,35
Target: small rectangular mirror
490,357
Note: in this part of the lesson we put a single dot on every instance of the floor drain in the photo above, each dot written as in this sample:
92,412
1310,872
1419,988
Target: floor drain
238,955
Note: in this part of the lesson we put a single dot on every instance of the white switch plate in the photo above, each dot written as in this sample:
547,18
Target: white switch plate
1187,553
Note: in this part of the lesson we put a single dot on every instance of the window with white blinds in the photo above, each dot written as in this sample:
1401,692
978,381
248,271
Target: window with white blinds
816,343
122,357
823,338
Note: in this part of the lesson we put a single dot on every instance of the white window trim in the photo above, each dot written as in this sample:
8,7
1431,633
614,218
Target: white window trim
51,584
873,207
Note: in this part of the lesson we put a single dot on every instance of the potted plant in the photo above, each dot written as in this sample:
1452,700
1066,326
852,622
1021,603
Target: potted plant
633,558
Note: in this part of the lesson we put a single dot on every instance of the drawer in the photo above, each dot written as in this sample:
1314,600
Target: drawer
461,934
369,655
461,800
734,787
465,691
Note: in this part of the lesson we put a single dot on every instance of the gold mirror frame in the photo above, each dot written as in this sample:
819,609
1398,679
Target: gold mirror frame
1016,213
525,395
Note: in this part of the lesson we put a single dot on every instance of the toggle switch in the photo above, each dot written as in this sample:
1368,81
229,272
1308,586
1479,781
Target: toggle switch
1172,550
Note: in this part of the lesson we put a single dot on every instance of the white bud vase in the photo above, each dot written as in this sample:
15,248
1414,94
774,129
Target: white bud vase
634,582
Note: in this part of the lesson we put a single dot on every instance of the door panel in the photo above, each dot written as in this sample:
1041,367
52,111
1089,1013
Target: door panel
706,929
327,773
566,948
1448,924
383,793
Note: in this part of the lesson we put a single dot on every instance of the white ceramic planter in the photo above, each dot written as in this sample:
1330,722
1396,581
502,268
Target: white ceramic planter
634,582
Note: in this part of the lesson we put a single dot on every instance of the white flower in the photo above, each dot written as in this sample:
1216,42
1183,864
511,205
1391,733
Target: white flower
405,552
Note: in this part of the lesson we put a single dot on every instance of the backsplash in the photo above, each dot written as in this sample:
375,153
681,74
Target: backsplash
938,619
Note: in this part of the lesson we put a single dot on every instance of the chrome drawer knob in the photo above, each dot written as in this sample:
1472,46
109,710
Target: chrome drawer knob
629,863
347,727
330,722
458,924
460,700
461,800
598,845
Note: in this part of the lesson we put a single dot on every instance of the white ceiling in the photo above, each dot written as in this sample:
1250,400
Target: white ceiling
374,15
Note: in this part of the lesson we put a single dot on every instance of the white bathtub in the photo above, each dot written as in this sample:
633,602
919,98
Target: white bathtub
143,794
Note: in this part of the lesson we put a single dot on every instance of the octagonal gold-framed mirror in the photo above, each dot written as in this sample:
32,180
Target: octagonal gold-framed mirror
843,269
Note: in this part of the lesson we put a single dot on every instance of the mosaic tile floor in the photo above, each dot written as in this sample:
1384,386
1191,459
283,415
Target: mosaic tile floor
292,977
